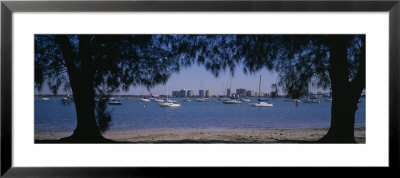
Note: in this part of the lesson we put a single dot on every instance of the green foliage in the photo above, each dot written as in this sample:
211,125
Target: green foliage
49,65
274,93
299,60
103,116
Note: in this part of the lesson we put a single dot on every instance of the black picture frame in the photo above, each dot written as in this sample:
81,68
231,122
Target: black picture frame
8,7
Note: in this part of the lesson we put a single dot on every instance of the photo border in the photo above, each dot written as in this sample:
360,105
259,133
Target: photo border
8,7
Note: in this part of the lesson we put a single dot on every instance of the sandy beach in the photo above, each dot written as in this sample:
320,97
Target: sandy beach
212,135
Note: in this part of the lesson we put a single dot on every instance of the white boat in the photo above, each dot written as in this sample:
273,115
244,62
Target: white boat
115,102
230,101
203,99
224,99
67,99
245,100
170,105
169,101
295,100
159,100
187,99
309,100
292,100
144,100
312,99
261,104
45,99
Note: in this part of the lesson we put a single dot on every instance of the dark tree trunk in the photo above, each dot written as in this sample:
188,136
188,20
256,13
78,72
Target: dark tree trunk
345,94
80,74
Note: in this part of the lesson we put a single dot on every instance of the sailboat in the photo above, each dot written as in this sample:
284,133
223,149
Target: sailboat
144,100
169,104
228,99
311,99
231,101
261,103
245,100
295,100
159,100
203,99
45,98
115,102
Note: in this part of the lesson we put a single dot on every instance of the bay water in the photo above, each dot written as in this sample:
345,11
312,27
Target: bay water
54,116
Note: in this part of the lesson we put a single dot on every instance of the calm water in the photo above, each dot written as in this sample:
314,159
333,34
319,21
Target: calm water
52,115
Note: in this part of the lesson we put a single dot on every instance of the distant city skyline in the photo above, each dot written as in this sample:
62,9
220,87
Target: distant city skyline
196,78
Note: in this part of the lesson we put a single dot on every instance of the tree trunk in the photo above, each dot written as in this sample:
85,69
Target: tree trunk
86,130
345,94
81,80
342,119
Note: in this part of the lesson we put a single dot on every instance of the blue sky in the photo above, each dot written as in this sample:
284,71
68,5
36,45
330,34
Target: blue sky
196,77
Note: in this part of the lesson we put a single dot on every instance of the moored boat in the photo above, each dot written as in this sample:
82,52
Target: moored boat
245,100
159,100
231,101
311,100
170,105
261,104
203,99
115,102
144,100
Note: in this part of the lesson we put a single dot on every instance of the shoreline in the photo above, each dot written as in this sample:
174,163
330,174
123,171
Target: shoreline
211,135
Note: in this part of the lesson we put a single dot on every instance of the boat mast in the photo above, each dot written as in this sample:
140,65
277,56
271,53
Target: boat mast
229,83
259,90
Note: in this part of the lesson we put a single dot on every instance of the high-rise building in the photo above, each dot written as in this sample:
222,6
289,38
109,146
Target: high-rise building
182,93
175,93
208,94
190,93
228,92
250,93
261,94
241,92
234,95
202,93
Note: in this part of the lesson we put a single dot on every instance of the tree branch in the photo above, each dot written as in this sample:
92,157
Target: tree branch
358,83
56,74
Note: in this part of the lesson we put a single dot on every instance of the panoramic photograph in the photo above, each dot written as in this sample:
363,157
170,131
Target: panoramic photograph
199,88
